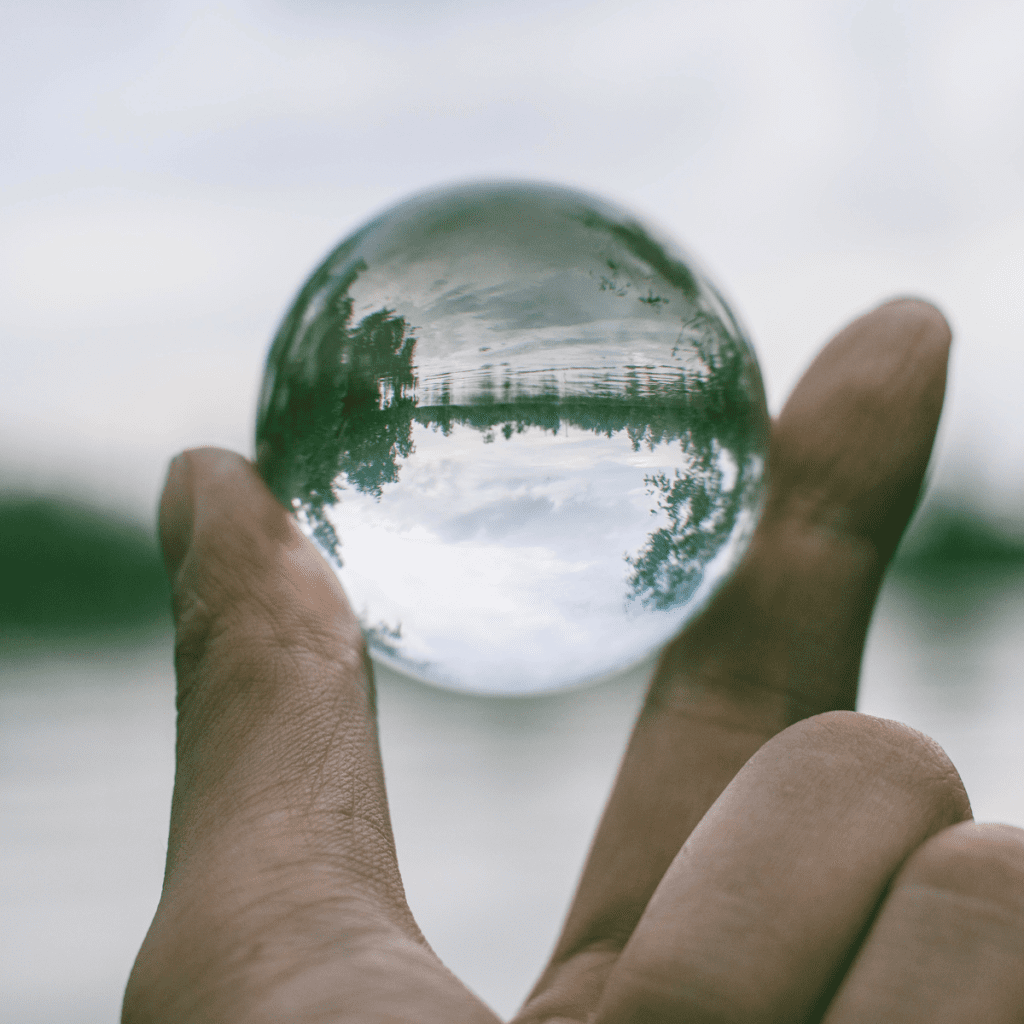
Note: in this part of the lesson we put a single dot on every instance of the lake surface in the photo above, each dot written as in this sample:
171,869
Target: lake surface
493,800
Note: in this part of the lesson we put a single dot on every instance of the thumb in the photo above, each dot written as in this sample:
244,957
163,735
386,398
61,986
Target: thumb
279,783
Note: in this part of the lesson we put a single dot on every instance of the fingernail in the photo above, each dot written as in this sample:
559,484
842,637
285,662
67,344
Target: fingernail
176,514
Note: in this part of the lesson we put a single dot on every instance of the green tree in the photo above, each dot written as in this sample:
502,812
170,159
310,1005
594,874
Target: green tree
340,406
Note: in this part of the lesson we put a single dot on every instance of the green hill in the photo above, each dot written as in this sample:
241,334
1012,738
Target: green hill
951,539
68,569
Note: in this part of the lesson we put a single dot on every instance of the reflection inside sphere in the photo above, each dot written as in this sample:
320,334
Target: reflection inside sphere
529,436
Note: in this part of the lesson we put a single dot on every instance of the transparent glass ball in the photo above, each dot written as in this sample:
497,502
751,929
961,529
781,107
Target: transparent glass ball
527,433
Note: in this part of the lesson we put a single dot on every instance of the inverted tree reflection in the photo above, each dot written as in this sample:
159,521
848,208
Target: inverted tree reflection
343,407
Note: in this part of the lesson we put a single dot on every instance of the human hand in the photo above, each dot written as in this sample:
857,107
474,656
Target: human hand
837,869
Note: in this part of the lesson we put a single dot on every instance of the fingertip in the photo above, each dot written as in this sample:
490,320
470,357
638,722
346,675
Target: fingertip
916,310
202,485
857,432
921,322
233,548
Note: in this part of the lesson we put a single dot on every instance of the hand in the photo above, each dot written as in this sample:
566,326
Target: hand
766,855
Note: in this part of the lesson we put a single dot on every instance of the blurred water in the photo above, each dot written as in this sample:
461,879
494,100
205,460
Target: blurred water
86,760
493,800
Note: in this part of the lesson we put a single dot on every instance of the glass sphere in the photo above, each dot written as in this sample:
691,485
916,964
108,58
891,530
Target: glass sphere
527,433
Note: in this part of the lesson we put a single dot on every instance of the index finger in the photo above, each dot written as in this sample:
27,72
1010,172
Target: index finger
782,640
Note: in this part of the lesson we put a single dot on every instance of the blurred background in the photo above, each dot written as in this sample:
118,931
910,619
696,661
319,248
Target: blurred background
171,173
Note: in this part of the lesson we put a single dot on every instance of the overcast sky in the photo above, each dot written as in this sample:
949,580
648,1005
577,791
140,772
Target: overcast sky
172,173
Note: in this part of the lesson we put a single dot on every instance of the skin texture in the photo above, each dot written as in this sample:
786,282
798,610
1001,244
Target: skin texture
766,855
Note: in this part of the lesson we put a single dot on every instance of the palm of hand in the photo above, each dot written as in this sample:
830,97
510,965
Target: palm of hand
746,847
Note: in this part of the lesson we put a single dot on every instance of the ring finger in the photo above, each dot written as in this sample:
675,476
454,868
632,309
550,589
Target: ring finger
762,908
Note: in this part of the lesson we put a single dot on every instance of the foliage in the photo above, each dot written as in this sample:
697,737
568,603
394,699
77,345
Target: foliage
341,402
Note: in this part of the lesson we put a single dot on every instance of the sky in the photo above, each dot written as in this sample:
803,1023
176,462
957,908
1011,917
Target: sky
172,173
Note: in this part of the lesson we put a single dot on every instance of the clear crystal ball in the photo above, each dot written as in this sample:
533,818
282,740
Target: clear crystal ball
527,433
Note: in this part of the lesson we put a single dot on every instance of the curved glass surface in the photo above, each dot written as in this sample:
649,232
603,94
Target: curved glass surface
528,434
